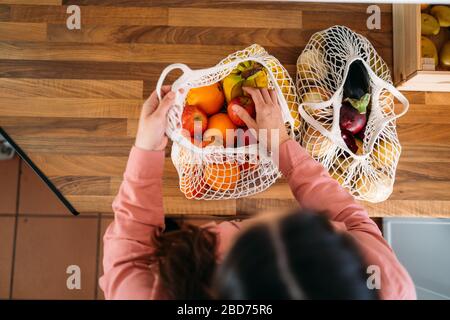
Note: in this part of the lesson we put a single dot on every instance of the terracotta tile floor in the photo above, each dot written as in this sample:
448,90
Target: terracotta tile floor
40,239
35,198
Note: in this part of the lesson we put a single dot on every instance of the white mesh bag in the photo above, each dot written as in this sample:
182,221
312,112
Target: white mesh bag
216,172
322,68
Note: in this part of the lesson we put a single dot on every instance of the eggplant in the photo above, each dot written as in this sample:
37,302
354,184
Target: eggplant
350,118
362,134
357,86
349,140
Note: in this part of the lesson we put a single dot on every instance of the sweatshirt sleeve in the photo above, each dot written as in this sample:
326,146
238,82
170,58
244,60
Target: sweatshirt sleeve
138,214
314,189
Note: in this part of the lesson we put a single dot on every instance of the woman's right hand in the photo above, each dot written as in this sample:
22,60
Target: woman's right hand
268,114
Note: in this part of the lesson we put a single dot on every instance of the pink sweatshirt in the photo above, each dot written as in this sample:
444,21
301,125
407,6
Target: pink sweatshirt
138,210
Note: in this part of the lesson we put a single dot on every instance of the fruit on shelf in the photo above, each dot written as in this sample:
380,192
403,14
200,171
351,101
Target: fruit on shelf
221,130
246,74
357,86
442,14
222,176
192,117
208,98
350,118
429,49
349,140
424,6
246,103
315,143
384,154
429,25
445,54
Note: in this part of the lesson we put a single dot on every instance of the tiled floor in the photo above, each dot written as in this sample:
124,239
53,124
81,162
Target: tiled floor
7,225
35,198
40,239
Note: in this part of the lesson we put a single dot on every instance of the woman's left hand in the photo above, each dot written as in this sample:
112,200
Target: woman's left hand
152,122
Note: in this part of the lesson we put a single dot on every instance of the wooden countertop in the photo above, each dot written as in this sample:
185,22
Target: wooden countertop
71,99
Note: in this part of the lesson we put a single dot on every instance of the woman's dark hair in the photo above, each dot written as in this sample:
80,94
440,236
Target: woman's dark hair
299,256
186,259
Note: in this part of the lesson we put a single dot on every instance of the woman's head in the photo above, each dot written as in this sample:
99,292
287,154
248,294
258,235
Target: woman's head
186,259
296,256
293,256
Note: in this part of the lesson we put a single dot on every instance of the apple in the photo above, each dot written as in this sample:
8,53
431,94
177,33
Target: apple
191,116
200,143
246,103
245,137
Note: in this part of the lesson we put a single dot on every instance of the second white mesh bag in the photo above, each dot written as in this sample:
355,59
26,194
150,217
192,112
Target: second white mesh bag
322,69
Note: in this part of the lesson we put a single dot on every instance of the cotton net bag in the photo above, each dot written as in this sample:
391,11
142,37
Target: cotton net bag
217,172
322,69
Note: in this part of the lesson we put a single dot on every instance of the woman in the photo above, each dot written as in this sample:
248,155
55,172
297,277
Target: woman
281,256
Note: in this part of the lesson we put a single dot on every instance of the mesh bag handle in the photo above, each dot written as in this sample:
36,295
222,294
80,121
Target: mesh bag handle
177,108
186,81
186,72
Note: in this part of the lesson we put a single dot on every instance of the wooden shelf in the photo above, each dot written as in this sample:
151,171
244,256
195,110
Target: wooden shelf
408,71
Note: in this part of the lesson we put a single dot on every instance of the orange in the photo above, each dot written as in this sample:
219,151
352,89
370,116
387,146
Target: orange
222,176
217,126
209,98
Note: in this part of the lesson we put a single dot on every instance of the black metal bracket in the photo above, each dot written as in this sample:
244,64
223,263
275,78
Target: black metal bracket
44,178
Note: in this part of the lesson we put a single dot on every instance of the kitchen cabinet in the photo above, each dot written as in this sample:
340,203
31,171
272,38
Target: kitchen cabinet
411,72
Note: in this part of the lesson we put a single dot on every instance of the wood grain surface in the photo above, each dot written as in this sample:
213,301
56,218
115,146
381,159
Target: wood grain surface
71,98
